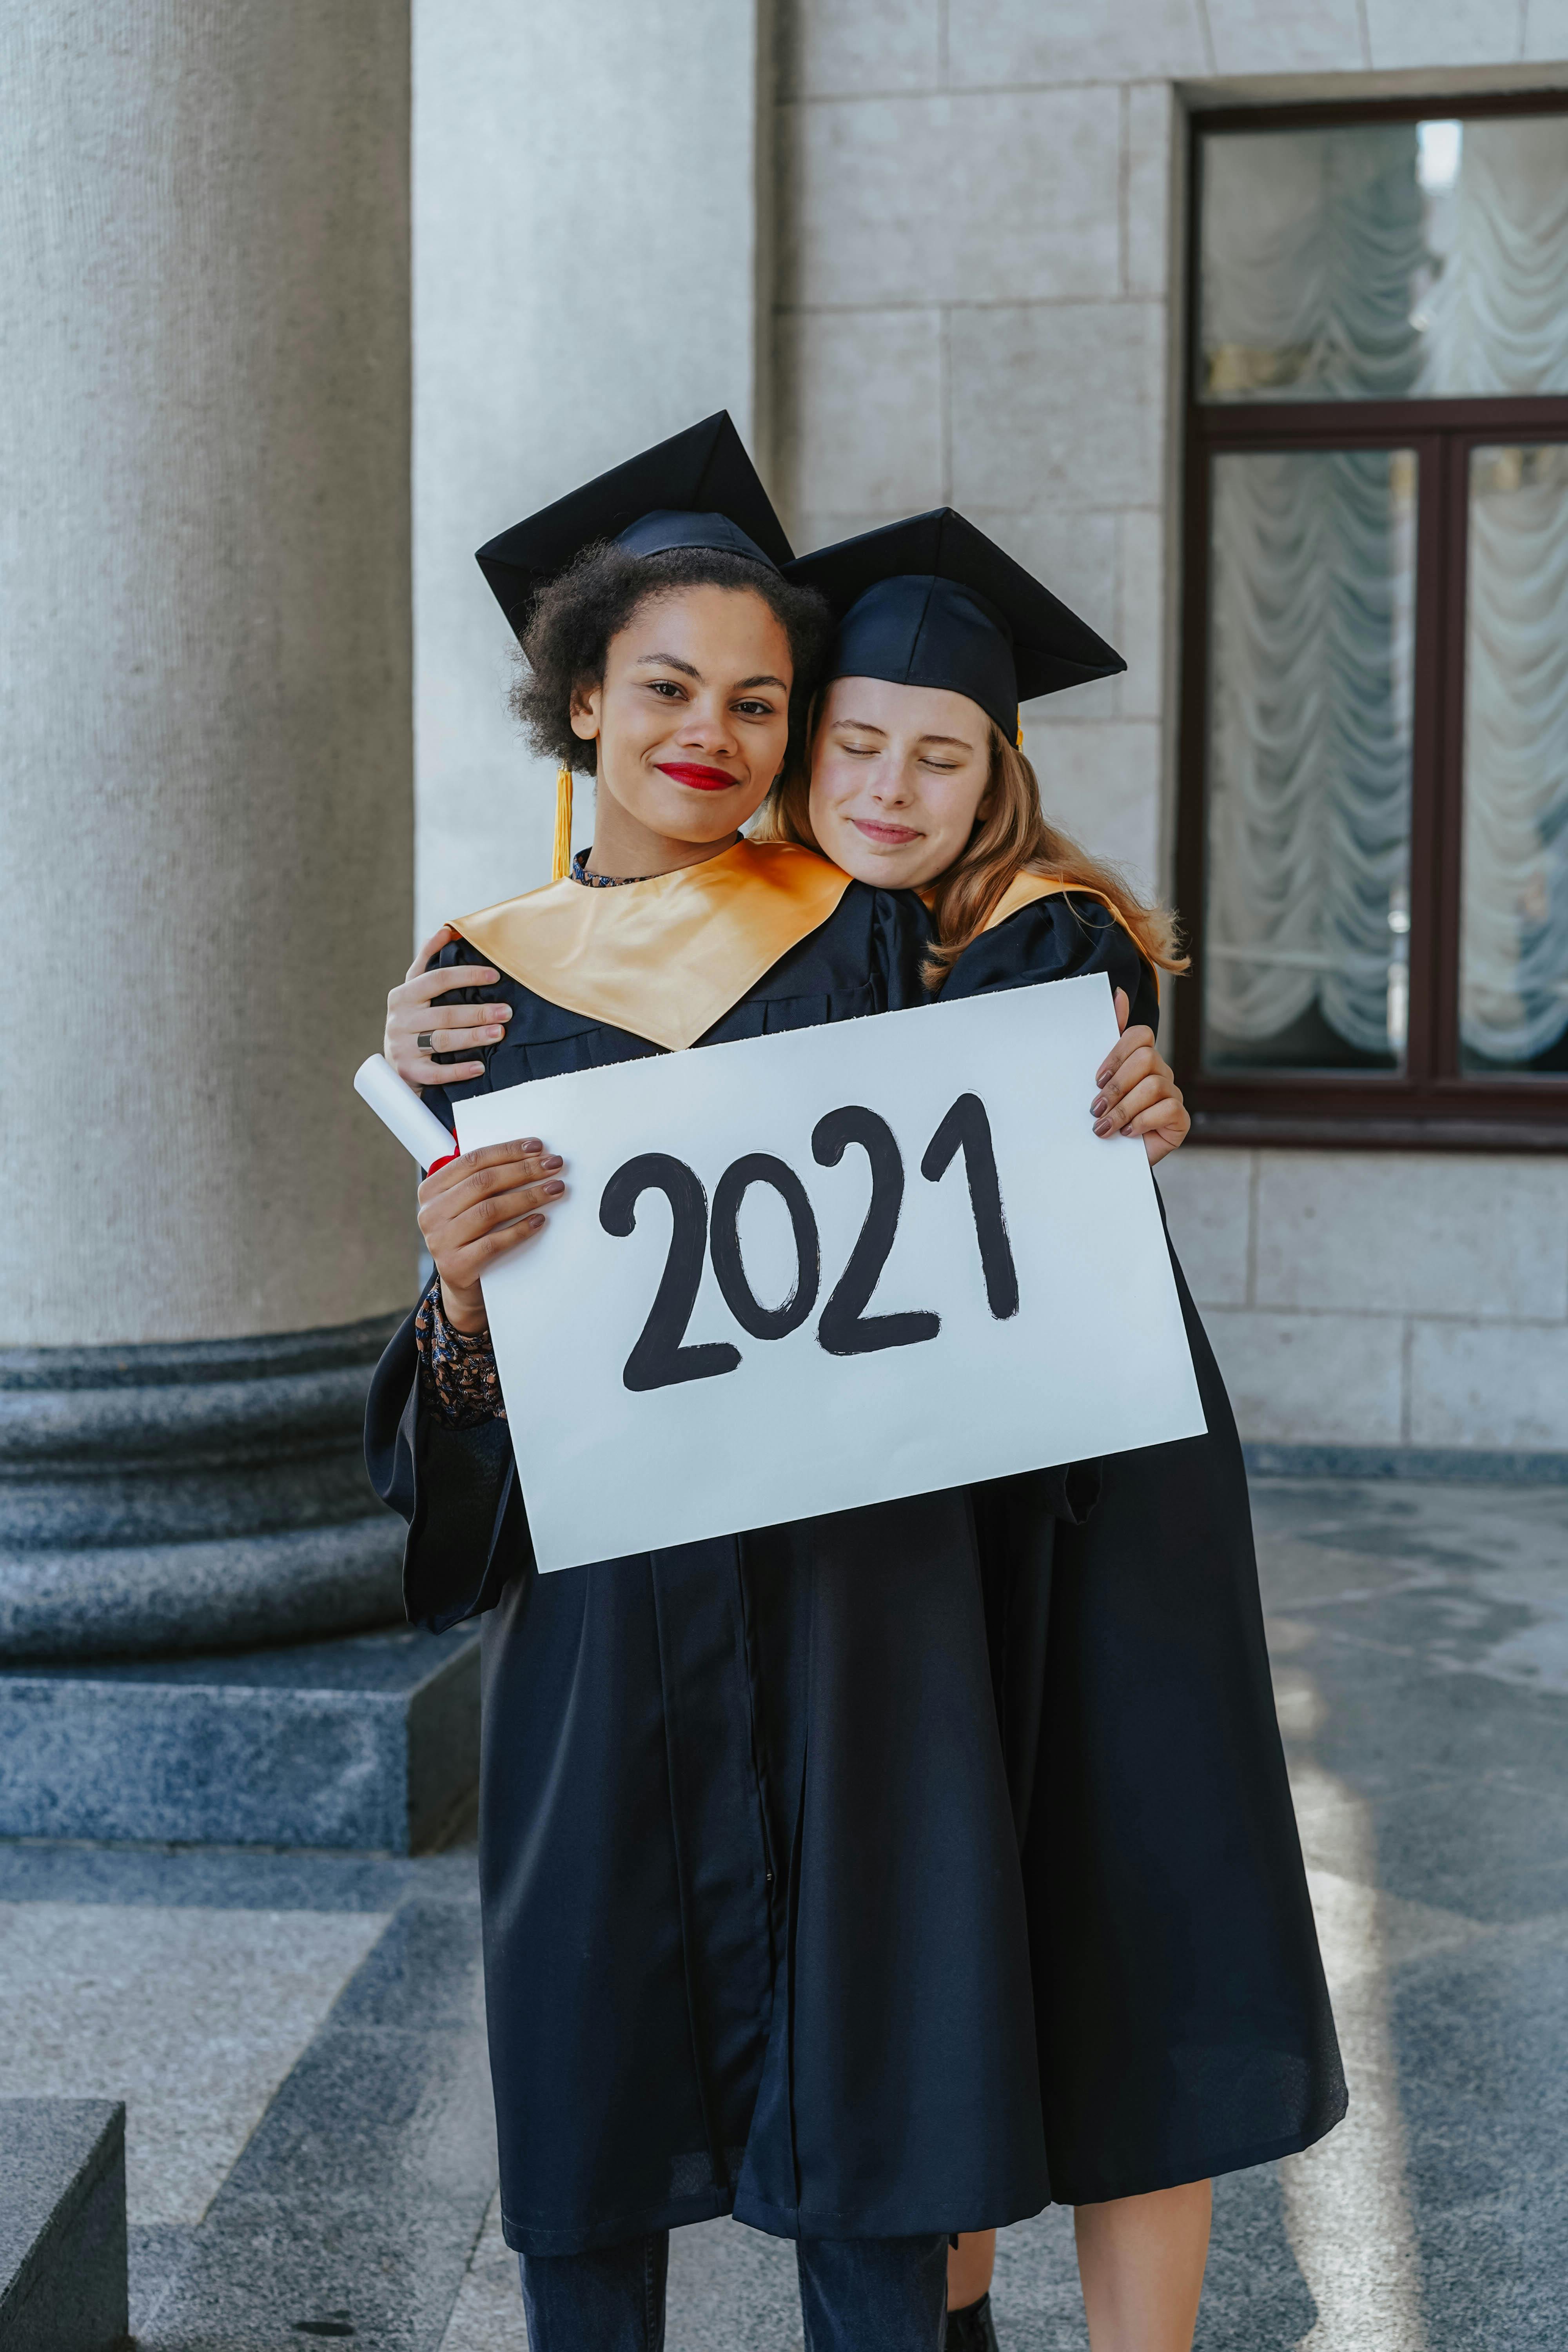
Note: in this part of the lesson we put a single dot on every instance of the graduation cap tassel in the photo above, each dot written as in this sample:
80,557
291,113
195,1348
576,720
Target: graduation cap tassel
1019,739
561,862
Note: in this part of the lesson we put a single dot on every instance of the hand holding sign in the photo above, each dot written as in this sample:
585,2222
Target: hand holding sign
755,1310
476,1209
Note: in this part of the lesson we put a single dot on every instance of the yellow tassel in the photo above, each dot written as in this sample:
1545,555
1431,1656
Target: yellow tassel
1019,739
561,862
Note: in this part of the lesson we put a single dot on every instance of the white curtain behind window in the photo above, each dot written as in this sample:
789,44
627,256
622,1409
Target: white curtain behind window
1499,324
1314,249
1308,815
1357,263
1513,998
1496,320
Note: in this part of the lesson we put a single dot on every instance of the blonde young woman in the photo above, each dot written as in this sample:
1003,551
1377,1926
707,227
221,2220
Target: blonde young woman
1183,2021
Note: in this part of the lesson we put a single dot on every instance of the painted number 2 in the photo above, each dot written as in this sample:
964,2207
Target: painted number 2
661,1357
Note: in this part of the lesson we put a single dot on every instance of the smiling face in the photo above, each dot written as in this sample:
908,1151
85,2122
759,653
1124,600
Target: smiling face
691,721
899,775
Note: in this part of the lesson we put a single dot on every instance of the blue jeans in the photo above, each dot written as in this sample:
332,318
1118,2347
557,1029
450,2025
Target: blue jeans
857,2295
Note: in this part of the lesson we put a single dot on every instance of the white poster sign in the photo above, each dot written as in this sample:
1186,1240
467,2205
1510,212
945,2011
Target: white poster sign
826,1268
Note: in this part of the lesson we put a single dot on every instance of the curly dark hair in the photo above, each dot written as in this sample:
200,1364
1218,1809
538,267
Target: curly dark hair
576,616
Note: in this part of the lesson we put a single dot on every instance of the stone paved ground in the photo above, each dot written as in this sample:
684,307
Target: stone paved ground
300,2040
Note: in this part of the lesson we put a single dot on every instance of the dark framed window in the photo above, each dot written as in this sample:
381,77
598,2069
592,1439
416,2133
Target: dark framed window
1372,851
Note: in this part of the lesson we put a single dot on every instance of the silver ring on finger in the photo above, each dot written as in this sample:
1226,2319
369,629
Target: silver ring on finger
426,1041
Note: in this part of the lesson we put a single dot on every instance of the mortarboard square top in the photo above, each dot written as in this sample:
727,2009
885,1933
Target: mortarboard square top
697,490
933,602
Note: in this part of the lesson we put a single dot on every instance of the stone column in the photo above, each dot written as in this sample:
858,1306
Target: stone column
592,270
207,844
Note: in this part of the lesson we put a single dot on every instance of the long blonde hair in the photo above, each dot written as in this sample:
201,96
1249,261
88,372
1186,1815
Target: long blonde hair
1015,839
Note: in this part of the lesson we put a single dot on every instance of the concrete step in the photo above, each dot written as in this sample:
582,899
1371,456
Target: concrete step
370,1742
62,2225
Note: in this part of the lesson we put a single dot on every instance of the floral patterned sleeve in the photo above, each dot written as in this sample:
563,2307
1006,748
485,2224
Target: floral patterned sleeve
457,1371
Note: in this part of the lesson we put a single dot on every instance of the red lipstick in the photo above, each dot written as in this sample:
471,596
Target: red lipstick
702,780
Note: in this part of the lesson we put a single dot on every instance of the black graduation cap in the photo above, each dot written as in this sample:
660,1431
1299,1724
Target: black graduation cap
697,490
933,602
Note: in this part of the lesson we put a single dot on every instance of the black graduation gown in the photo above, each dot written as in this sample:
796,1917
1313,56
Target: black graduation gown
755,1932
1183,2021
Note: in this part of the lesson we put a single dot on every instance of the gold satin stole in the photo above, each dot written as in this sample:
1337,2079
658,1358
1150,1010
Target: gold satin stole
667,958
1024,888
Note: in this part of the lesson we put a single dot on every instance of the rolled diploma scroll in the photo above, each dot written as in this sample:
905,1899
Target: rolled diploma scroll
397,1106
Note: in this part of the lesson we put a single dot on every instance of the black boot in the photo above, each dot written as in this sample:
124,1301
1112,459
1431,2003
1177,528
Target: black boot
973,2329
